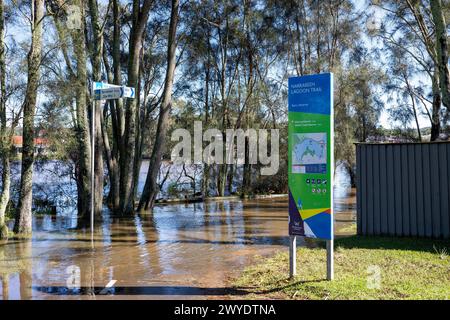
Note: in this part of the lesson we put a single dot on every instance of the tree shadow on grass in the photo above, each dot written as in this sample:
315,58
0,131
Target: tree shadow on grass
392,243
287,286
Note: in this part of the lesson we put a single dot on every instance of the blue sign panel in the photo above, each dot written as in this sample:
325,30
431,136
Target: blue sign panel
311,162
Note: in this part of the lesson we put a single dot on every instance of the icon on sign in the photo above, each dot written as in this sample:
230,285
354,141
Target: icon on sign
313,181
324,191
319,181
313,190
308,181
324,181
319,190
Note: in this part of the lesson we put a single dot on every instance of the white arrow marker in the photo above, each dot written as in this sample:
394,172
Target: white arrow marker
108,286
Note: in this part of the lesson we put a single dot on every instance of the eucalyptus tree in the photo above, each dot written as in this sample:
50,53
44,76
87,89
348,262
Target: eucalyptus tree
410,27
4,143
358,106
326,36
13,84
139,17
113,68
439,10
69,21
404,92
151,189
24,214
95,47
199,72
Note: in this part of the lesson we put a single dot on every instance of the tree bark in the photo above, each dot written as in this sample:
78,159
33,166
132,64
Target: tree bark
24,217
128,150
413,101
151,187
206,168
96,58
435,114
116,111
4,137
442,52
82,127
5,194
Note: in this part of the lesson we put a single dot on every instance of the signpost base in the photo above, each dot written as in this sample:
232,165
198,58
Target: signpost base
330,260
292,256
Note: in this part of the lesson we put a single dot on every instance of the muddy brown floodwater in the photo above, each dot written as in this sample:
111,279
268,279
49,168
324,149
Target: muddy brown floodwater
180,251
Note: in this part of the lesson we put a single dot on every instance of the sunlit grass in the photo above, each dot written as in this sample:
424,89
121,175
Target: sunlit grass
408,269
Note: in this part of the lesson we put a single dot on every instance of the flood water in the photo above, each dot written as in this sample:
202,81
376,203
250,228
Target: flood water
180,251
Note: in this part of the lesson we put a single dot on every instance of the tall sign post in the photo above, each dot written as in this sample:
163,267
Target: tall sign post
311,163
103,91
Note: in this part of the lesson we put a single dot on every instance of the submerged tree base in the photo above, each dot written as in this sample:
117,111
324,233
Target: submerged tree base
4,232
365,268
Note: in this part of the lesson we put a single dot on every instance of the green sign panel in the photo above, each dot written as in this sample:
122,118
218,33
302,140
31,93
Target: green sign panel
310,155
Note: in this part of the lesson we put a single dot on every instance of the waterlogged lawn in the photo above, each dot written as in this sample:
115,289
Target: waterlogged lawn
365,268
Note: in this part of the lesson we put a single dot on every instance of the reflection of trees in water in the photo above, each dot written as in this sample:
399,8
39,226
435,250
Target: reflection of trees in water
5,286
16,258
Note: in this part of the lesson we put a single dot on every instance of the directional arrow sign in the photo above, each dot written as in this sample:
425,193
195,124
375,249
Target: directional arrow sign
128,92
104,85
106,91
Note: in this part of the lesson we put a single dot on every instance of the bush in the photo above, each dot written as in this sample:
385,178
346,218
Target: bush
277,183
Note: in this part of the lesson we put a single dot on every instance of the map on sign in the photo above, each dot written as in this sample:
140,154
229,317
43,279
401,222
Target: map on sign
309,153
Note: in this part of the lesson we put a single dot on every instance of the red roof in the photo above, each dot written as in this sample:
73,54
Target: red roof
18,140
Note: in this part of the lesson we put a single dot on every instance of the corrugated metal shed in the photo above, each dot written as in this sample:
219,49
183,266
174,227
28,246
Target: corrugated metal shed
403,189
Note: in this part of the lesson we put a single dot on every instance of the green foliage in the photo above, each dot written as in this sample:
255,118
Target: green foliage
173,190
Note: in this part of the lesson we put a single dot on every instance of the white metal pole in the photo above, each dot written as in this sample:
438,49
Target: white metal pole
330,260
292,256
93,167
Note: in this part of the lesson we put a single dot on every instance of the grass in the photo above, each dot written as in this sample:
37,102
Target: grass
407,268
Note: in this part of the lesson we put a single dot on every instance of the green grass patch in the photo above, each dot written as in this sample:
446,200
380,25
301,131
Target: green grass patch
407,268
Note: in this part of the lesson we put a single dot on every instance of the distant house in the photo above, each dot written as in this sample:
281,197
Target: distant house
41,145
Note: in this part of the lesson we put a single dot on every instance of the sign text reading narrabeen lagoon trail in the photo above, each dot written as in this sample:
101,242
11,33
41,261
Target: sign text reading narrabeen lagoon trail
311,156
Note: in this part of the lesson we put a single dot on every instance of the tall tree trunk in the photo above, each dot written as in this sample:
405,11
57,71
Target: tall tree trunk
151,187
83,134
435,117
116,111
442,53
4,137
96,58
230,178
206,168
139,132
352,174
5,194
247,170
128,150
23,217
413,101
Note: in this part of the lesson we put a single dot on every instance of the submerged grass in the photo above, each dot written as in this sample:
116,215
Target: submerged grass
407,269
